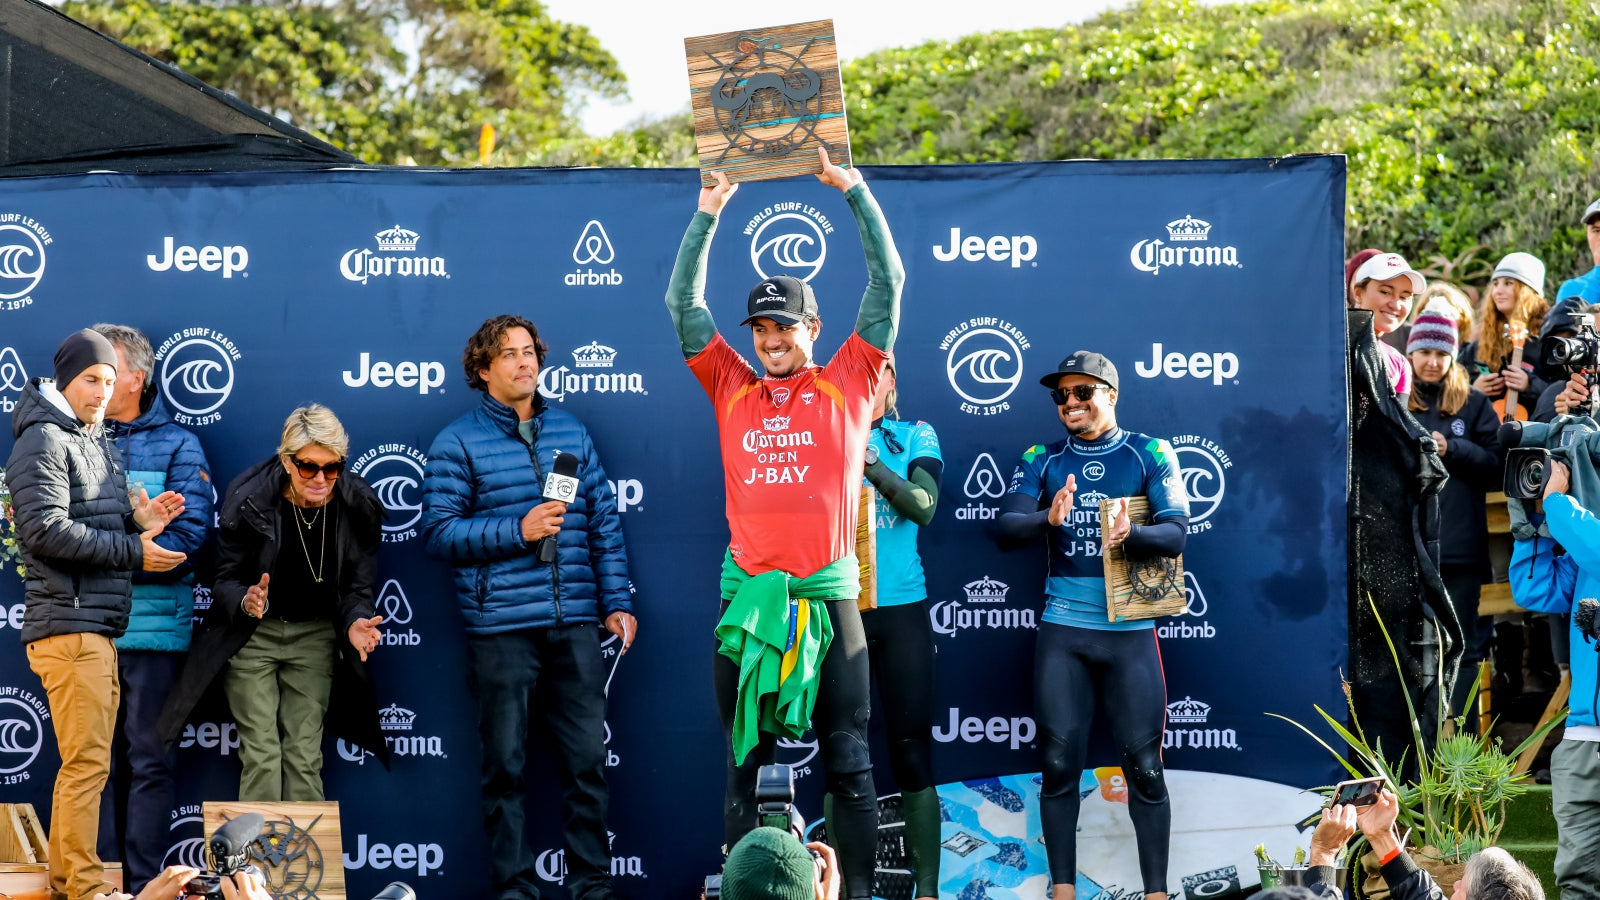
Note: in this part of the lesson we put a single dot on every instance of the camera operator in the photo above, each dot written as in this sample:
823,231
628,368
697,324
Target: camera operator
771,864
1491,873
170,883
1543,581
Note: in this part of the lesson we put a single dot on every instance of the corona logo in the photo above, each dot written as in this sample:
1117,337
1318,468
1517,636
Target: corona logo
1188,228
986,590
1188,711
396,718
397,255
397,240
594,356
776,423
1153,254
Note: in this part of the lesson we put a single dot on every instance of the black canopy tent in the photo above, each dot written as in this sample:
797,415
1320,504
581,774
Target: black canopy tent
74,100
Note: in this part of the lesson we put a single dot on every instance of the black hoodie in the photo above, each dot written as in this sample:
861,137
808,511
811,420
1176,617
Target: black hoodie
1474,459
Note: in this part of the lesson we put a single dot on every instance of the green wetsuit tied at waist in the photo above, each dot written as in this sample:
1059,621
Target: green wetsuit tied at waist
777,631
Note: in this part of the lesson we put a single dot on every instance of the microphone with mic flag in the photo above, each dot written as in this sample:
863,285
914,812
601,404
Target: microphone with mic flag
561,484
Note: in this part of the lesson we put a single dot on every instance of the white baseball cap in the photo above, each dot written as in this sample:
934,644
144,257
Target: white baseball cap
1590,213
1385,266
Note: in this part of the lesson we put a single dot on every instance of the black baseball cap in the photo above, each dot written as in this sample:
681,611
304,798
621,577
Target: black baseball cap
1082,362
783,299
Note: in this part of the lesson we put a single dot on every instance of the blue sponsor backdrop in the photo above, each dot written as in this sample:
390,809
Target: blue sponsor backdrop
1212,285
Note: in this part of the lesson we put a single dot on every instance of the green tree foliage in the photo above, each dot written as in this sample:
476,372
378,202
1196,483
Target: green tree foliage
1465,122
387,80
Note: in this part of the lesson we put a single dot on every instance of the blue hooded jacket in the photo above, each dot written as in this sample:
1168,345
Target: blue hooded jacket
1544,582
161,456
481,479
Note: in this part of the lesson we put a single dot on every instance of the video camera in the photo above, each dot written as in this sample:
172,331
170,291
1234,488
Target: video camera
1579,353
227,853
775,809
1532,446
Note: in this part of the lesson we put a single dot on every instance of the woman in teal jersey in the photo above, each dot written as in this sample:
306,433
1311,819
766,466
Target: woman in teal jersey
904,465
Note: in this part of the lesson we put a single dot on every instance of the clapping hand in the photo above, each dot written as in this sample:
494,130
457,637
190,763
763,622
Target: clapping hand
1116,530
1061,503
155,512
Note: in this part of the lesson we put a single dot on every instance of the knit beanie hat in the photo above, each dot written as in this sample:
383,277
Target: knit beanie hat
1435,329
769,864
1524,267
81,350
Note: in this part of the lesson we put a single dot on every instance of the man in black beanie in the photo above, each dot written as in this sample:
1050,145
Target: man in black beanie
81,537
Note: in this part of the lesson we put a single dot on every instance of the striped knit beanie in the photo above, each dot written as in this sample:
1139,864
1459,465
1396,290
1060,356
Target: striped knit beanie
1435,329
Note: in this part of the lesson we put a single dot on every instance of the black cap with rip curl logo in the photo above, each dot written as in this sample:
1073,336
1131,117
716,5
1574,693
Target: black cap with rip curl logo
783,299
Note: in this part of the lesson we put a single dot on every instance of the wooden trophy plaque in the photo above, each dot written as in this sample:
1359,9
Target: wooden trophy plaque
300,851
1141,589
867,547
765,99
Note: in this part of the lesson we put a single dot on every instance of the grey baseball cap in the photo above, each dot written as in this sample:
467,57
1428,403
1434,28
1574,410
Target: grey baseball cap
1592,213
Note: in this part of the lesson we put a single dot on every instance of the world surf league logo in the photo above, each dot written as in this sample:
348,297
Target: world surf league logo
395,473
767,101
22,243
195,371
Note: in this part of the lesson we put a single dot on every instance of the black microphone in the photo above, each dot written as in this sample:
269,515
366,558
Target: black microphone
397,890
1584,618
561,484
229,846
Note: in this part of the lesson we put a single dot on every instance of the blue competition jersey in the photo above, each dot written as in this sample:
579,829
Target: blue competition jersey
1119,464
900,578
1586,286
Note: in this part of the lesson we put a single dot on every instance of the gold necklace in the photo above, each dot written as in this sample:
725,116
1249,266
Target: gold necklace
322,542
315,515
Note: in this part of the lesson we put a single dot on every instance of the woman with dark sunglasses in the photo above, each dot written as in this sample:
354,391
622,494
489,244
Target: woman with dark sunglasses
292,618
904,465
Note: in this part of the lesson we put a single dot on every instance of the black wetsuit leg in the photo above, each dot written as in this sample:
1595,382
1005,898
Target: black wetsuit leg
900,643
840,722
1073,669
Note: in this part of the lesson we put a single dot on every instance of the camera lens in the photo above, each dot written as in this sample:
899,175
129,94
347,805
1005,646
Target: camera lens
1530,476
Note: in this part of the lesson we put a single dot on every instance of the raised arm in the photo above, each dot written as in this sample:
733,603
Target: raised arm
686,292
879,319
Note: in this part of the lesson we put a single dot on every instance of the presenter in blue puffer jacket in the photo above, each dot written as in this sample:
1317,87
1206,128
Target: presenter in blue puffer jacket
160,455
537,580
1548,581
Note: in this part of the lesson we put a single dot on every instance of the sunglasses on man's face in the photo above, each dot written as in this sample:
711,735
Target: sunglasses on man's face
309,470
1082,391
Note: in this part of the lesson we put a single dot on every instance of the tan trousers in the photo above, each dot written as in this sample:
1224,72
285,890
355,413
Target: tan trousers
79,672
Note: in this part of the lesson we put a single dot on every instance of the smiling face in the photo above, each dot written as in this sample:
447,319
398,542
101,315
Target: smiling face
784,349
1091,418
1389,302
1592,231
89,394
512,376
1503,291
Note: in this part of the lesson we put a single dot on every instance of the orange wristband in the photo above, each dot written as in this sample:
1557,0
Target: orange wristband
1388,856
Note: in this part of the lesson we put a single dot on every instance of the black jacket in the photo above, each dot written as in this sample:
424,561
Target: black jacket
1406,881
247,547
1475,462
73,520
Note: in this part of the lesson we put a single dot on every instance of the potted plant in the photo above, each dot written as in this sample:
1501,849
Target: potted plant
1456,804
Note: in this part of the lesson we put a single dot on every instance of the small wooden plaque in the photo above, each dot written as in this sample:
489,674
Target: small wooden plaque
764,99
1145,589
300,850
867,547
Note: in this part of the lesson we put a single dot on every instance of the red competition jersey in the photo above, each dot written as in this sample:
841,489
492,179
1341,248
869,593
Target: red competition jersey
792,453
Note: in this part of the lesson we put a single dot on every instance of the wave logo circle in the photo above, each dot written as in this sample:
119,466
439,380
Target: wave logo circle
189,851
21,732
1204,465
196,376
797,247
394,472
21,261
984,366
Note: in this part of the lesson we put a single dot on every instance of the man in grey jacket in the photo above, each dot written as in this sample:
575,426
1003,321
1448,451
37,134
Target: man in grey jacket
81,537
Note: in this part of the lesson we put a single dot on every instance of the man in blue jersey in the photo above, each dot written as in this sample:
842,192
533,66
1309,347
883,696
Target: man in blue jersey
1056,492
1586,286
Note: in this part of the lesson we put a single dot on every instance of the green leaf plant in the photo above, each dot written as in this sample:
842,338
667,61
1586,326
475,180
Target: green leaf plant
1456,805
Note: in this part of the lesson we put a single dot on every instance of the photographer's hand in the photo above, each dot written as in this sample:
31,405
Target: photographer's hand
1333,832
1377,823
1574,395
827,871
244,886
167,885
1559,478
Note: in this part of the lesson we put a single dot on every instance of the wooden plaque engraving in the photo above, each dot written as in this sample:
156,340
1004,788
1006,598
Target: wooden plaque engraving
1143,589
764,99
300,850
867,547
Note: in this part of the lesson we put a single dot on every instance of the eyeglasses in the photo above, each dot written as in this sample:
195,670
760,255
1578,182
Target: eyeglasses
1082,391
309,470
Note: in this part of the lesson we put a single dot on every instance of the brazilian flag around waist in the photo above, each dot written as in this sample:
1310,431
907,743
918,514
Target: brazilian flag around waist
777,631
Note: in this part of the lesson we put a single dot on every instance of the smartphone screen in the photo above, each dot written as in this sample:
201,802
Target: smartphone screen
1358,793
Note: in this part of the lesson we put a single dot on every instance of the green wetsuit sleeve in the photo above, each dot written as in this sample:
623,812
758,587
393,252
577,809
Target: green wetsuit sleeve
686,292
914,497
879,318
